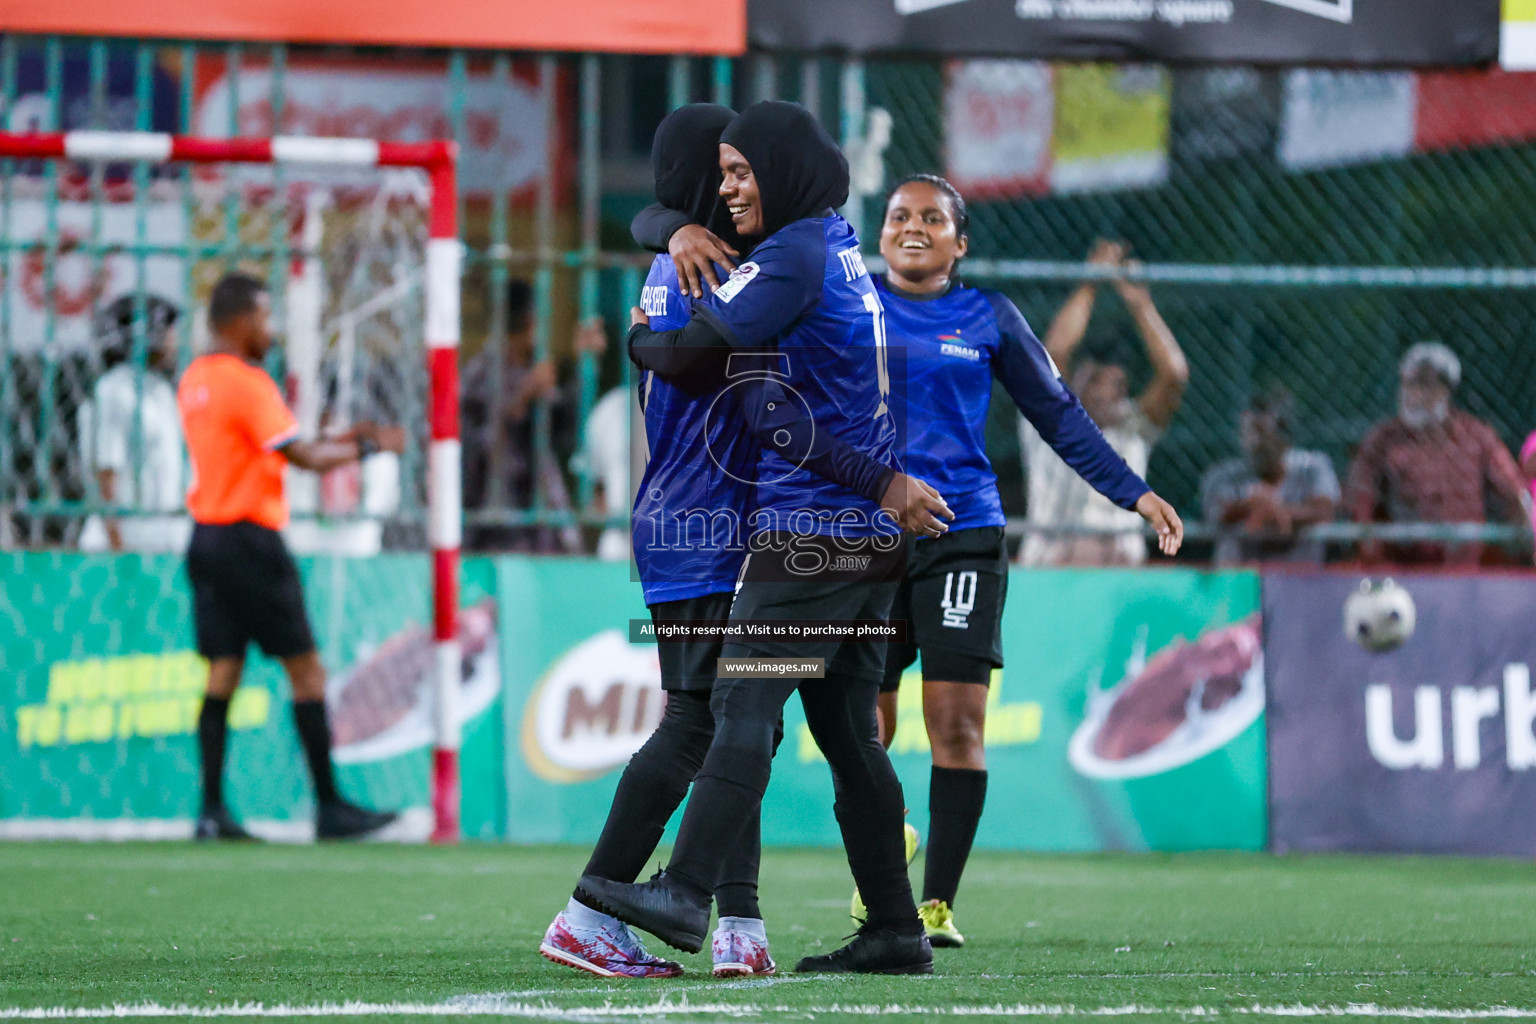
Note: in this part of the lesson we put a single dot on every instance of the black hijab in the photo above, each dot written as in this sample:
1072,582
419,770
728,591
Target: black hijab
685,159
799,169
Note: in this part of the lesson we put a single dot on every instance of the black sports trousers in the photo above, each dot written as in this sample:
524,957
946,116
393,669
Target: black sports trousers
840,710
657,776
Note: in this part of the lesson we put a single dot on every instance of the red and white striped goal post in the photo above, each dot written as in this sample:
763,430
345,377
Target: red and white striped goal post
444,513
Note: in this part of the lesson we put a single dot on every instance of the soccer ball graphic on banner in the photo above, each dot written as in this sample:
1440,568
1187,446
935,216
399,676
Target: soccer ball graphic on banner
1379,616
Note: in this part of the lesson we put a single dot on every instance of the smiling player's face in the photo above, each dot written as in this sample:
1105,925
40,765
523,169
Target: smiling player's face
738,187
920,240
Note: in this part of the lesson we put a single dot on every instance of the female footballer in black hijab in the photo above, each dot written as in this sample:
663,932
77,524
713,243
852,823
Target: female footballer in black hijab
823,549
696,461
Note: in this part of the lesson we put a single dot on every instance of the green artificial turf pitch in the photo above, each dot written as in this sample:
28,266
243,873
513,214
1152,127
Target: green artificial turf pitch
423,931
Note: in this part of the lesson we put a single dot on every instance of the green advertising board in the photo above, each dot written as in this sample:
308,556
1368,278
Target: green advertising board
1129,716
103,688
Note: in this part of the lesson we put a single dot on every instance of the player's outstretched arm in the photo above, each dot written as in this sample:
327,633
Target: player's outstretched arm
1163,518
1032,381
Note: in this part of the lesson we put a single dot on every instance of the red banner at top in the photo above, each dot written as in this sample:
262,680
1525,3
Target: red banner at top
617,26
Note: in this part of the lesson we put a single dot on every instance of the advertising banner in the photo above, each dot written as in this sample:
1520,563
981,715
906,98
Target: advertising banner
1111,127
1129,717
1336,118
1015,128
1424,749
508,138
1517,36
998,120
619,26
103,687
1344,32
91,265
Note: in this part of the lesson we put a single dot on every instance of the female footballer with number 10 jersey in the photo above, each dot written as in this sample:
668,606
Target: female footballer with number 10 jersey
957,339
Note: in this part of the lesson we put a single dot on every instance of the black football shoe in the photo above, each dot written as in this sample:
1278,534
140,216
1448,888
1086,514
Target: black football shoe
338,819
874,951
665,907
217,823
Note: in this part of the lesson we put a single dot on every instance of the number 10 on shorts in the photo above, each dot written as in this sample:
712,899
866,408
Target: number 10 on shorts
959,598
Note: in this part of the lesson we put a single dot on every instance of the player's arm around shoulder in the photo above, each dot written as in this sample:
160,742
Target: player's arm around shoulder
763,298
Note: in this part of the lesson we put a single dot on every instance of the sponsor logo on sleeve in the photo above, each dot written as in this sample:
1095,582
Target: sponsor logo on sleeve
739,279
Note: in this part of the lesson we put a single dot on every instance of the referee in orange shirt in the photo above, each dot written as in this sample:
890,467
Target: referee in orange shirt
245,585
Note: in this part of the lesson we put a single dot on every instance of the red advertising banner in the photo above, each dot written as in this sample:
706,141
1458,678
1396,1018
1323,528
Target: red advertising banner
1458,109
509,143
617,26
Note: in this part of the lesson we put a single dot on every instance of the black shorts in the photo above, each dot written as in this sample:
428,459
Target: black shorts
690,664
776,585
245,587
952,601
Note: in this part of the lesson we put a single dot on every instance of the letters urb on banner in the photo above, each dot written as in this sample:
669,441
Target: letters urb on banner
1424,749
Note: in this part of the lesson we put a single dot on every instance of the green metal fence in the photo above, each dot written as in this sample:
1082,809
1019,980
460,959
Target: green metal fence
1283,248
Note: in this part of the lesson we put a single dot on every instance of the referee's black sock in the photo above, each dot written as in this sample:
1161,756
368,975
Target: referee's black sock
212,727
315,735
955,799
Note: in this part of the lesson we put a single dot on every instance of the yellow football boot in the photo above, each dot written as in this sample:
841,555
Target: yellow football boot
856,910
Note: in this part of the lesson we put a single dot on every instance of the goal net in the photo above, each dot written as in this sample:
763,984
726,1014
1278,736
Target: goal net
111,243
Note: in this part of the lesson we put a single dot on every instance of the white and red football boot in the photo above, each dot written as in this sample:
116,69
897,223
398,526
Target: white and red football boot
591,941
740,949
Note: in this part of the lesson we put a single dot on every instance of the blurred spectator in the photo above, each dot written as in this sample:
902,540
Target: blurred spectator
1263,497
1432,463
1058,497
130,435
1528,470
604,457
503,389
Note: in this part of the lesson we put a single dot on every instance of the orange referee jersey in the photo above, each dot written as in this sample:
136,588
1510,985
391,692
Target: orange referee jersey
234,420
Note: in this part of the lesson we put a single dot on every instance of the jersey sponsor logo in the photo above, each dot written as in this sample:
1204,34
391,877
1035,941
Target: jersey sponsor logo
654,300
853,264
959,599
949,348
739,279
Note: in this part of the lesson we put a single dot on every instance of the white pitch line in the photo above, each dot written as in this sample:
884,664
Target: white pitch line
496,1006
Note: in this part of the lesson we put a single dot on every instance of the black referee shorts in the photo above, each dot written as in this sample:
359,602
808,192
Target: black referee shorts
952,601
245,587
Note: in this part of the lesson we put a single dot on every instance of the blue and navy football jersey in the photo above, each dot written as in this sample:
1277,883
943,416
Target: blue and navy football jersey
805,297
689,525
954,345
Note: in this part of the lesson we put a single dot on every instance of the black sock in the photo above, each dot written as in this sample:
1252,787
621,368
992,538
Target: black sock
955,799
212,727
315,735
